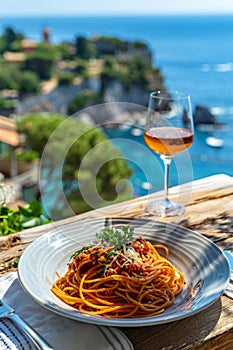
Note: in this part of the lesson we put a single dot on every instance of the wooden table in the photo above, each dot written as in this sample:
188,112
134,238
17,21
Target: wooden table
209,211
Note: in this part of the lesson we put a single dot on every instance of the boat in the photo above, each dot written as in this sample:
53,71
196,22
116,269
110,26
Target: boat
136,132
214,142
146,185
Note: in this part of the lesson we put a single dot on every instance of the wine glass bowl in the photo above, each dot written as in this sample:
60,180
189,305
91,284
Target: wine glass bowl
168,131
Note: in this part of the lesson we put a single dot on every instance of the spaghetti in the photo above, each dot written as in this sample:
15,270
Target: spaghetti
134,281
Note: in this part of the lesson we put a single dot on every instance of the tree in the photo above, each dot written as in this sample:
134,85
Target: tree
6,79
84,99
65,78
85,153
84,48
81,67
135,71
41,61
29,82
11,77
37,128
10,37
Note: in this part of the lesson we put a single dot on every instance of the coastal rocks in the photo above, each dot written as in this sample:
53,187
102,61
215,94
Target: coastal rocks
202,115
121,107
115,92
113,115
55,101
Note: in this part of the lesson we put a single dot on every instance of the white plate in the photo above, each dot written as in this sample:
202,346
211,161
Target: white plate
204,265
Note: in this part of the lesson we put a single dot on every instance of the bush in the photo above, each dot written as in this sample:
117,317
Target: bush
15,220
81,67
84,48
29,82
41,64
7,80
65,52
6,103
82,100
109,62
65,78
37,128
140,45
137,72
11,77
2,45
41,61
27,156
109,45
11,39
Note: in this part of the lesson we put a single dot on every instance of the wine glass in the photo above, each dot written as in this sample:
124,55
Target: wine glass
169,130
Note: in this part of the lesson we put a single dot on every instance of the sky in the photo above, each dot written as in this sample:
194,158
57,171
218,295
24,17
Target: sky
118,7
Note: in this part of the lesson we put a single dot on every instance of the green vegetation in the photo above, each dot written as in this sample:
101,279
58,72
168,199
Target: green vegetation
135,71
9,77
116,237
10,40
15,220
13,78
84,99
41,61
84,48
127,62
27,155
6,103
81,67
29,82
65,52
105,58
65,78
38,128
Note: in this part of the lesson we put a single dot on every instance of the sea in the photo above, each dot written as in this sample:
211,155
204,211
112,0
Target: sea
194,54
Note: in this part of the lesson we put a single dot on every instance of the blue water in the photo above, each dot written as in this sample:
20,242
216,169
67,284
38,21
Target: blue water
195,55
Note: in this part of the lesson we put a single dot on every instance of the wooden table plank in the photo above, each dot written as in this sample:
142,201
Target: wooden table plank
204,327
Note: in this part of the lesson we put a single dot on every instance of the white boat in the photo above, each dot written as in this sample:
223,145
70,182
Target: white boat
214,142
136,132
146,185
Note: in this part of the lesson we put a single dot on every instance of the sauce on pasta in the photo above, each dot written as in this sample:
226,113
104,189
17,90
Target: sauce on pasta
133,281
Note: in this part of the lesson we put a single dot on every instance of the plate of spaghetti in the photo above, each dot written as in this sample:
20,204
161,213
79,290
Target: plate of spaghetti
126,273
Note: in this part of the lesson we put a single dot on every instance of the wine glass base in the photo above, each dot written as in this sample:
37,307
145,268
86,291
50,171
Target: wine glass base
165,208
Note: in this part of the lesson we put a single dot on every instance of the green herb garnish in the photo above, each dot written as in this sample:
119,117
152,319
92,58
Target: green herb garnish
83,249
116,237
112,252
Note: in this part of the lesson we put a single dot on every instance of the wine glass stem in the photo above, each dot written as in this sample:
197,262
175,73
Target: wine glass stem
167,164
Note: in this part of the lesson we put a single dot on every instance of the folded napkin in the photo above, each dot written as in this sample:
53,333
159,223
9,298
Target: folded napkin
229,289
61,333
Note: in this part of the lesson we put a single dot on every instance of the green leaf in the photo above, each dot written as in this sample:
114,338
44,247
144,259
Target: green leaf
31,223
44,220
14,220
4,210
25,211
116,237
36,208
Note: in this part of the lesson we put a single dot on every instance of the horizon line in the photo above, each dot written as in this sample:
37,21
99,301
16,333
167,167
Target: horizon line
161,14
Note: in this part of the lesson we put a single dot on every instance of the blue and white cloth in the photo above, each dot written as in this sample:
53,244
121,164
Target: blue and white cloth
60,332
